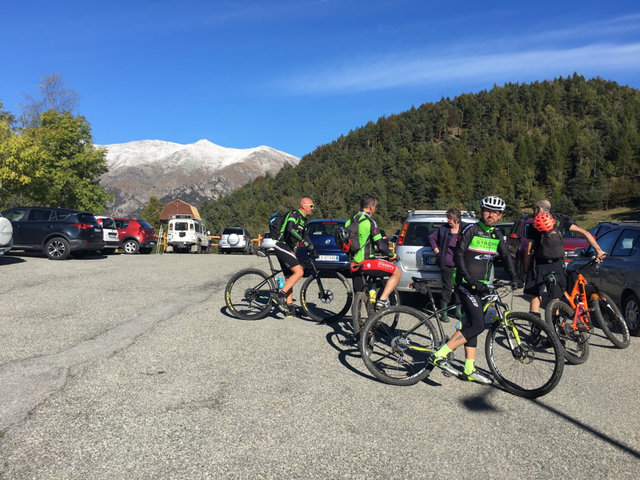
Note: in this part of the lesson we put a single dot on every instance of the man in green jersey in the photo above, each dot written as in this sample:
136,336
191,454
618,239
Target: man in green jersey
476,248
364,261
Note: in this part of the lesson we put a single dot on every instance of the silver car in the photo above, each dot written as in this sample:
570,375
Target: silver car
416,258
235,239
618,275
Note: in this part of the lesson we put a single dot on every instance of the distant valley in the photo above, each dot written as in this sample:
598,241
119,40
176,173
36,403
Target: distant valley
193,173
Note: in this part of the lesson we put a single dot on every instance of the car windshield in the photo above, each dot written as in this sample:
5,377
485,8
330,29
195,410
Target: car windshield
418,233
324,228
181,226
145,225
231,231
86,218
109,223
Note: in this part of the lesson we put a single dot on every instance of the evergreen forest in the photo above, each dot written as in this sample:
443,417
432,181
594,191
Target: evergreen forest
573,141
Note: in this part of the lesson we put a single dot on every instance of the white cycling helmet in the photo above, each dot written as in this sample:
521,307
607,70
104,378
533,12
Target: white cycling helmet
493,203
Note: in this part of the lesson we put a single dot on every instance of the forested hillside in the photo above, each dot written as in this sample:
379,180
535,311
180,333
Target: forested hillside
572,141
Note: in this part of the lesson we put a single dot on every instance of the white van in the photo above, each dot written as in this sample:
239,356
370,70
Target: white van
188,235
110,234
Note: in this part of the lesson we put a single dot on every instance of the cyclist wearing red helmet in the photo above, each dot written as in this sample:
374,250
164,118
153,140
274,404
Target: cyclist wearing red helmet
539,262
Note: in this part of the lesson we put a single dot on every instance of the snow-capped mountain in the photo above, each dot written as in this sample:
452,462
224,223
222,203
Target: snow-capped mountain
193,173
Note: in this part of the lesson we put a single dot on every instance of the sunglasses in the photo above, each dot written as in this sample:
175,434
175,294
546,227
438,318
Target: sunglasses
309,205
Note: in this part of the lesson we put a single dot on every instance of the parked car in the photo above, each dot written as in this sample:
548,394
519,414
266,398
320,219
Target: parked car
57,232
187,234
136,235
235,239
517,243
602,227
321,232
417,258
618,275
110,234
6,235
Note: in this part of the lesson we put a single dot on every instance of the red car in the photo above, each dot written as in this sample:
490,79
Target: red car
136,235
517,243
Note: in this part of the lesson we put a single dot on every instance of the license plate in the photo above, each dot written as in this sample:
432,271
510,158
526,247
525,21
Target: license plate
113,235
328,258
97,229
430,260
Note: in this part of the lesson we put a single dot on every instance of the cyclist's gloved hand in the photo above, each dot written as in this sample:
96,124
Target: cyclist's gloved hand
477,287
516,284
313,254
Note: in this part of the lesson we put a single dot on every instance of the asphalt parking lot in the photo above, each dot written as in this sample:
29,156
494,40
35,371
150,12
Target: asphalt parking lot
130,367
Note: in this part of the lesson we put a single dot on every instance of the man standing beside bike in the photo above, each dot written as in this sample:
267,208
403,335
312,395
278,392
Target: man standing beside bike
364,261
477,246
539,259
293,232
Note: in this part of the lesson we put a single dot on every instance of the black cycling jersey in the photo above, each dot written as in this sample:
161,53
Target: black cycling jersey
294,231
475,251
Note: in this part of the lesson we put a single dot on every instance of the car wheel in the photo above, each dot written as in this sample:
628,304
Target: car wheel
233,239
631,312
57,249
131,246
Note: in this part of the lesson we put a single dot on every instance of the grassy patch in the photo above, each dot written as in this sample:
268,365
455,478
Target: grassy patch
589,220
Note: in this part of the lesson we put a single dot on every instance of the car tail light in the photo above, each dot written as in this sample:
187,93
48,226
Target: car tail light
403,233
82,226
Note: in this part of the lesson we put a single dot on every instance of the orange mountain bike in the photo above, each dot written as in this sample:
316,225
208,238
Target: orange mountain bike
571,317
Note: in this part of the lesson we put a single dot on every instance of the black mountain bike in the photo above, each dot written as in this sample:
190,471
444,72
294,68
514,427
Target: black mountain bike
251,293
364,302
523,353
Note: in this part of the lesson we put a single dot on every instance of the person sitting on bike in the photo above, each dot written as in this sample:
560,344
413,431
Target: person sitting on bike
293,232
477,246
363,261
539,263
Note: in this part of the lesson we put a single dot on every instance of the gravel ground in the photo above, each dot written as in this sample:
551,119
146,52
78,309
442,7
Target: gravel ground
130,367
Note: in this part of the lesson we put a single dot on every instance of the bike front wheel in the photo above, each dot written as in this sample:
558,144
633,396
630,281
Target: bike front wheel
524,355
248,294
610,319
396,344
559,316
327,297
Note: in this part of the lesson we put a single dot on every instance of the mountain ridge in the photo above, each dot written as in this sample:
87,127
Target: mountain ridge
194,172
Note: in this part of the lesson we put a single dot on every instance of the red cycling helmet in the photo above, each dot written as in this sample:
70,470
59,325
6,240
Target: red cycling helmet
544,222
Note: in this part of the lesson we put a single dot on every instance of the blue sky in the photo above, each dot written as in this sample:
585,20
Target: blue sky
295,74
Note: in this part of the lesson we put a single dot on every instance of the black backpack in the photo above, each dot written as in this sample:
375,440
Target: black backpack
276,223
551,246
347,237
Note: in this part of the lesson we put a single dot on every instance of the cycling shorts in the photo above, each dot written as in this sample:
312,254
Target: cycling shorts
537,278
286,257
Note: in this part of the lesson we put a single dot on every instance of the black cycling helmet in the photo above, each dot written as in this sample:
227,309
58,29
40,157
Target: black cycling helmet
493,203
343,239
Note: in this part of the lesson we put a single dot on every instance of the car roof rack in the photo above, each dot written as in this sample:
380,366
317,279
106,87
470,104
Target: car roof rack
411,213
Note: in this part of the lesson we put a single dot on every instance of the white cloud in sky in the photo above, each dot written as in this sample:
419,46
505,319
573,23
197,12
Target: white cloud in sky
601,47
408,72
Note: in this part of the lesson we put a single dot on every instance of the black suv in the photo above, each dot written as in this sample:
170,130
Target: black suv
57,232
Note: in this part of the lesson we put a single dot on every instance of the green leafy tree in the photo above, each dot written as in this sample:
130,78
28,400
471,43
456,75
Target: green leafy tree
151,212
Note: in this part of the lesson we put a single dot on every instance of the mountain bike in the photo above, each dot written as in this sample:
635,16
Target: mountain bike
364,302
523,354
571,319
251,293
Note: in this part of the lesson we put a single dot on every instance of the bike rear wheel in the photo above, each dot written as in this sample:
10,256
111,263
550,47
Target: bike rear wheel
396,344
362,309
559,316
248,294
331,302
534,365
610,319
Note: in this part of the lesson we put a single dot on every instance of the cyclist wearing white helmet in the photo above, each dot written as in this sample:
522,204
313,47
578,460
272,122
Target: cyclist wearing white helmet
477,246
